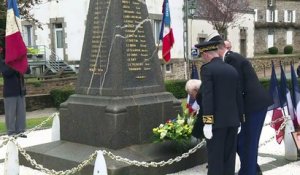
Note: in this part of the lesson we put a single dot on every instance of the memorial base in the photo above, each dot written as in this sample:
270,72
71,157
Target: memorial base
63,155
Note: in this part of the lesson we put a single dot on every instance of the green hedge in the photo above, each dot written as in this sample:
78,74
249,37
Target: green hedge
273,50
288,49
61,95
177,88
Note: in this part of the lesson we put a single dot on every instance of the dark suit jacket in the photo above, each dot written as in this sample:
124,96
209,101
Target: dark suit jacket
14,84
255,96
221,96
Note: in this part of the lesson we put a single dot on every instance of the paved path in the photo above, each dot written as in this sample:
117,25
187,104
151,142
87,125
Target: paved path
271,156
35,114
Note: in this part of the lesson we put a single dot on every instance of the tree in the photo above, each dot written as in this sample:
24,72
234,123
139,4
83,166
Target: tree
24,8
221,13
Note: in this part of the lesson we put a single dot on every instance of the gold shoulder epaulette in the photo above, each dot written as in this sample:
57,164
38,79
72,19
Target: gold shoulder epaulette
208,119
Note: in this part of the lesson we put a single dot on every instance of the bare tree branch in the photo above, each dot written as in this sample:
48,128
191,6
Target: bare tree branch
221,13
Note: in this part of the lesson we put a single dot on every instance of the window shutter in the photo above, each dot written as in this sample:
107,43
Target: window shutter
276,16
267,16
285,16
294,16
255,15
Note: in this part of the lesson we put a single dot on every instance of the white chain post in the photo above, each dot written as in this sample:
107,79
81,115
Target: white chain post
11,164
289,144
55,135
100,164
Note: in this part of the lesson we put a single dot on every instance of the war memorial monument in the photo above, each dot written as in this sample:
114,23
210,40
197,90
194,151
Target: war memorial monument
119,97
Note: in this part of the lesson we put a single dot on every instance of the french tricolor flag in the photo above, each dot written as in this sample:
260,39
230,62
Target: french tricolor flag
15,49
166,33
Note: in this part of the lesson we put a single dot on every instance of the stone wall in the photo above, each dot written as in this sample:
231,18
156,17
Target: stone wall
45,86
33,102
279,28
262,64
38,94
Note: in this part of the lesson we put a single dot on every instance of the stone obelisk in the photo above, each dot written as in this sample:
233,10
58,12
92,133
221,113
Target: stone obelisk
120,97
120,94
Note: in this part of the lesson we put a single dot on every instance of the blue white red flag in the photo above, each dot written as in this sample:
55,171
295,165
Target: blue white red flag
277,116
295,96
166,32
15,49
286,99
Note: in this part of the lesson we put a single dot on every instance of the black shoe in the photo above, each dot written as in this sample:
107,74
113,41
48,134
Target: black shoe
22,135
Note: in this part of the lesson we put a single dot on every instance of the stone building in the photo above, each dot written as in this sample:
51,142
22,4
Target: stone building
64,23
276,24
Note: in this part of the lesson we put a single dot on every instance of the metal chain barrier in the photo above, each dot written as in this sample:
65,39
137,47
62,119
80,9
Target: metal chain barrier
34,128
109,154
84,163
155,164
48,171
282,126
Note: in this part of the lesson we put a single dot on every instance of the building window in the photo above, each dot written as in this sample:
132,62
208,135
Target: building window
272,15
270,3
27,35
270,38
169,68
201,40
290,16
59,35
289,37
156,25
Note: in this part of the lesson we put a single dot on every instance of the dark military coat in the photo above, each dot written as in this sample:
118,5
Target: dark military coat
255,96
221,95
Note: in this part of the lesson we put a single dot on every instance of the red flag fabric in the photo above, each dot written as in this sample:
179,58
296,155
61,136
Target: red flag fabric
277,106
166,32
277,120
15,48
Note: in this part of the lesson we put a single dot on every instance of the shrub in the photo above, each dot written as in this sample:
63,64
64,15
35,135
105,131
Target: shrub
177,88
288,49
61,95
273,50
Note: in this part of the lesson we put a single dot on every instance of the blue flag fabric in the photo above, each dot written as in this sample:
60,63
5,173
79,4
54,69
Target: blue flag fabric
194,74
283,88
295,96
274,90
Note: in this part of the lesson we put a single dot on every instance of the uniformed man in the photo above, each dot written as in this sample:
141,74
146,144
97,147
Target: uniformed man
256,101
222,110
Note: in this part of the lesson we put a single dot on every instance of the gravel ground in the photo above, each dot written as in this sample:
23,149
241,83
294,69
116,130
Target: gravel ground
271,156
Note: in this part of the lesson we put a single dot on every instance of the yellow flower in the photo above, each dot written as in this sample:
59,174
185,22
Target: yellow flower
180,122
163,134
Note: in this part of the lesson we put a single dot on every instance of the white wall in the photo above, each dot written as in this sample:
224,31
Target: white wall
203,27
74,14
245,21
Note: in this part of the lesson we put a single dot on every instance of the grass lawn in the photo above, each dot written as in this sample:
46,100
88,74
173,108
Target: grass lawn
31,123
